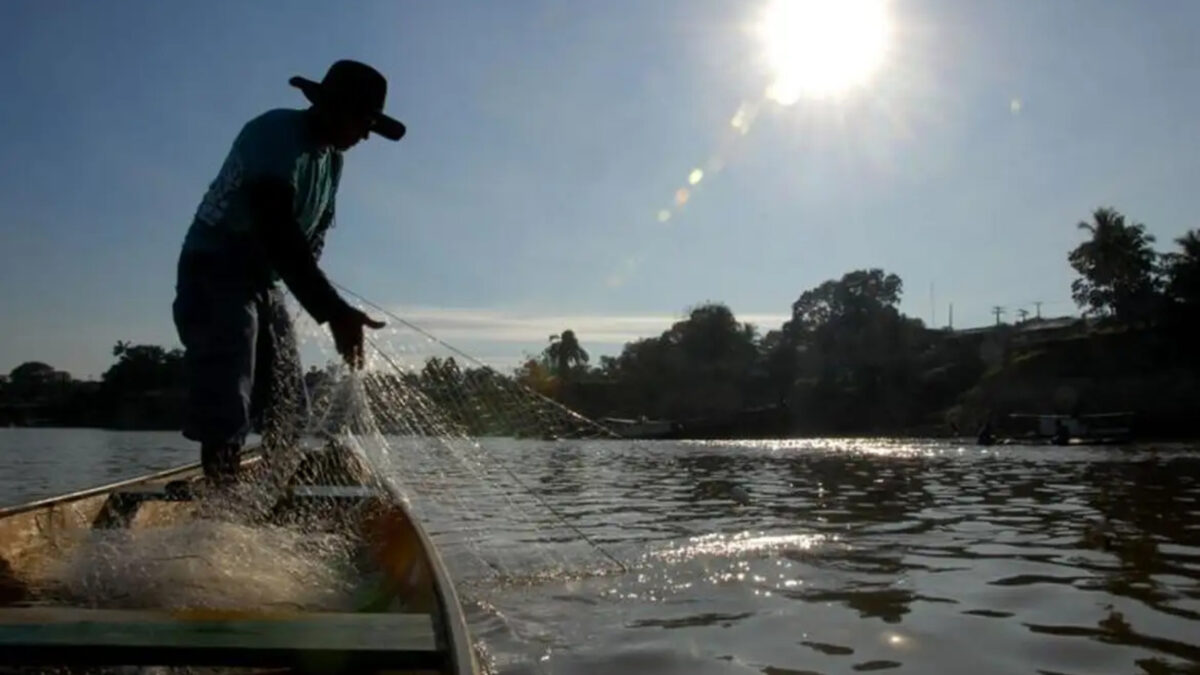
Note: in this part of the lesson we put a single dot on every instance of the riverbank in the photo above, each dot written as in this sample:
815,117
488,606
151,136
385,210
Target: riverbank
952,385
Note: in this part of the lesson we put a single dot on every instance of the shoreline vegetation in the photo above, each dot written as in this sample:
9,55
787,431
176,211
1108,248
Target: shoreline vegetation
847,363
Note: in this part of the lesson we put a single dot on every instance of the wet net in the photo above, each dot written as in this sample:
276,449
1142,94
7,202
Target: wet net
439,427
442,427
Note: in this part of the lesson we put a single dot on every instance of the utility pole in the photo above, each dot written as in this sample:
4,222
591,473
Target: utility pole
932,308
1022,315
997,310
1038,304
952,316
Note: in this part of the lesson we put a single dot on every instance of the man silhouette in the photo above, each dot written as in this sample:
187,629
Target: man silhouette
264,219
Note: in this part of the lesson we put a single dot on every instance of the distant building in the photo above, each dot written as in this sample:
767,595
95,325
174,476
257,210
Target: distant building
1027,332
1045,330
968,333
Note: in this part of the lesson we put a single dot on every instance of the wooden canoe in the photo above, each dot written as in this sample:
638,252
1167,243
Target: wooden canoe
407,618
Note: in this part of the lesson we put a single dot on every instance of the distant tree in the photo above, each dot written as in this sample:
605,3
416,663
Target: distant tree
564,352
1117,268
712,336
30,380
143,368
1183,271
852,355
534,375
442,375
699,366
857,294
777,358
31,372
608,366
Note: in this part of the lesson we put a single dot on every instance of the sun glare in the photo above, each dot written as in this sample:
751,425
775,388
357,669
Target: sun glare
822,48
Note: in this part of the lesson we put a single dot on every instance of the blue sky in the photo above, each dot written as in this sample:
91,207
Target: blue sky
545,137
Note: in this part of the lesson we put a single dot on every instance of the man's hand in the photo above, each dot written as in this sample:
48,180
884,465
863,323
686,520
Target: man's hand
347,329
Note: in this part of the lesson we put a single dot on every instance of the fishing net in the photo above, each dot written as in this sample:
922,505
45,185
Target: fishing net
444,428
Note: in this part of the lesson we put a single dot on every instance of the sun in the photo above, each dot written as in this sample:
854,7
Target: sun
823,48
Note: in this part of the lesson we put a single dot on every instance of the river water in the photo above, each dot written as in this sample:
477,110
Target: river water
835,556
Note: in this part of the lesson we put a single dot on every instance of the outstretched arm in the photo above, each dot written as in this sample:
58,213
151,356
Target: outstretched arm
289,252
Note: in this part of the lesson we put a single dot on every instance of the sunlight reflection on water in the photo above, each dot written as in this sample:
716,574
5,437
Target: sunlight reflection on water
851,556
725,546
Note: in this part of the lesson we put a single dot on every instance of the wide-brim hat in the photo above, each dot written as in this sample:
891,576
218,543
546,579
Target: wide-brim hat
354,87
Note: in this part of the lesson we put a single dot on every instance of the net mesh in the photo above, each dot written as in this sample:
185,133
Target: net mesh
439,425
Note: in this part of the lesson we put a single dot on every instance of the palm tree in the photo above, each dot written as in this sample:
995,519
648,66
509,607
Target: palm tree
1116,266
1183,269
564,351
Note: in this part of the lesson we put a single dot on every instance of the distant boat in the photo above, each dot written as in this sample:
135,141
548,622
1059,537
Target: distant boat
1113,428
641,428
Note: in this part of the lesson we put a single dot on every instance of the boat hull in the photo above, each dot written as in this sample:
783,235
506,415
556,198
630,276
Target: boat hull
405,586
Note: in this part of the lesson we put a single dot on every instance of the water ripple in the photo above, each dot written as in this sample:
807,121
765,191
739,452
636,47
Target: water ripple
1025,554
807,556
